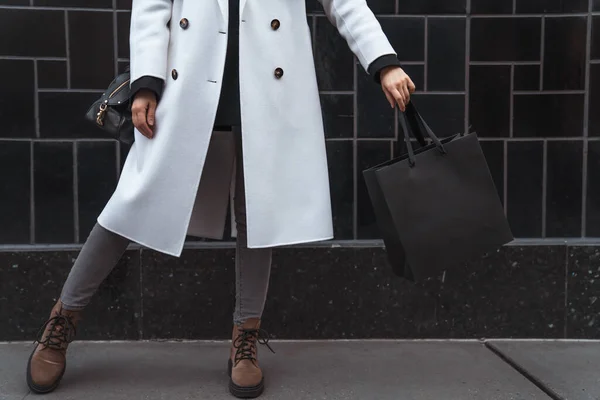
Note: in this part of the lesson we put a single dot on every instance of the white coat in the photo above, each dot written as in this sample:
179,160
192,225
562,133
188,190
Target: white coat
157,200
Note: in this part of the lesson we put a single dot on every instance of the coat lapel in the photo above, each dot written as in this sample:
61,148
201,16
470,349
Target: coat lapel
224,8
242,5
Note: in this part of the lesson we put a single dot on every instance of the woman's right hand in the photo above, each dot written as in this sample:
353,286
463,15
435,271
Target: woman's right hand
143,112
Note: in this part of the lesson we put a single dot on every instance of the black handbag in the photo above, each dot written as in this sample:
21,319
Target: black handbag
436,207
112,111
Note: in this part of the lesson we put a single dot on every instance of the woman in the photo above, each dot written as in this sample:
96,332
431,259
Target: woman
243,66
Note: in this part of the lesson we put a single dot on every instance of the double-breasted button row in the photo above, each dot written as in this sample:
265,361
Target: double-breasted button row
184,23
174,74
275,24
278,72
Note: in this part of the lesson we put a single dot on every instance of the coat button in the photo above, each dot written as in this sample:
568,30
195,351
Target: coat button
278,73
174,74
275,24
184,23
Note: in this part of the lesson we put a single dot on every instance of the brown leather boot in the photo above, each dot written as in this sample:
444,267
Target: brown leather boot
247,381
48,361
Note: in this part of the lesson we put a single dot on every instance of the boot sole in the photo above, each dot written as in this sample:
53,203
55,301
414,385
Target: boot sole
243,392
41,389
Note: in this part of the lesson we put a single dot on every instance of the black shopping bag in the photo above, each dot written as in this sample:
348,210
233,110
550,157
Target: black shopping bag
436,207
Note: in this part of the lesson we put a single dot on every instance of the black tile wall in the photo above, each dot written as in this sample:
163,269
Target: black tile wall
96,180
525,177
526,77
17,99
489,100
15,202
511,70
446,54
564,53
563,204
505,39
551,6
54,197
548,115
593,190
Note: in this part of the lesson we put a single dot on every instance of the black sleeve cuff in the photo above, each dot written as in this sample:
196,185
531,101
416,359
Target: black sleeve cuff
147,82
380,63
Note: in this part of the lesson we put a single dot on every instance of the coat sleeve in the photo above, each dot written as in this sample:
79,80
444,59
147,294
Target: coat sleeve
358,26
149,38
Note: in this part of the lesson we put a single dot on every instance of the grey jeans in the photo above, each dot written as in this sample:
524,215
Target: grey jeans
103,250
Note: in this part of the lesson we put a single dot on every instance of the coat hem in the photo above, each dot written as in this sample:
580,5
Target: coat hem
302,241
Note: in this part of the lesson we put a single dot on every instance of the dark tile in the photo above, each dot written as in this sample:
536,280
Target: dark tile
527,77
494,155
489,100
563,204
340,155
432,7
30,284
548,115
444,113
505,39
595,45
29,25
381,6
594,117
16,194
96,181
123,23
313,6
476,300
202,306
596,5
369,154
375,117
446,54
593,190
123,66
124,4
333,59
74,3
416,74
525,177
583,280
397,29
551,6
87,31
16,2
52,105
17,99
491,6
53,183
338,115
565,53
52,74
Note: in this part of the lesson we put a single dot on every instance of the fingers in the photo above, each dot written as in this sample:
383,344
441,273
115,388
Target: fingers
390,98
411,86
400,90
140,115
399,98
151,114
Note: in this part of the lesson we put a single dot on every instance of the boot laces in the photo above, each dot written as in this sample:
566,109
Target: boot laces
62,331
245,344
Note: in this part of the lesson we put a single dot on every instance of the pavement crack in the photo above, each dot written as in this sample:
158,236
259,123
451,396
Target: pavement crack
27,395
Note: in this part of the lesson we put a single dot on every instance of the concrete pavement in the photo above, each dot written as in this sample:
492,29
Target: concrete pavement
323,370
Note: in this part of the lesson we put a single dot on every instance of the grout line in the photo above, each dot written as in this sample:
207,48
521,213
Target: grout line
31,194
115,38
542,52
75,193
355,157
336,92
36,98
43,8
141,318
566,322
68,49
529,16
505,178
118,158
442,93
550,92
397,10
467,67
594,61
514,7
544,186
488,63
530,377
314,36
33,58
59,90
426,55
586,125
511,124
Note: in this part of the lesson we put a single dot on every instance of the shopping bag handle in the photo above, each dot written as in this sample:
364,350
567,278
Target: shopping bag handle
410,108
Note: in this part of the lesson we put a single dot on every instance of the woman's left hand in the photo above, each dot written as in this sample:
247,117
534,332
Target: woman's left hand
397,86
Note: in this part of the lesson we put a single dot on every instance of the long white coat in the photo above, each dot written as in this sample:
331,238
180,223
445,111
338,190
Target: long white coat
158,200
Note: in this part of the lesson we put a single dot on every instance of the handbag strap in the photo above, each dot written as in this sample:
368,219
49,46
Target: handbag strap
412,122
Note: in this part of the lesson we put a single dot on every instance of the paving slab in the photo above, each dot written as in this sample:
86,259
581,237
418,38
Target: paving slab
311,370
569,369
